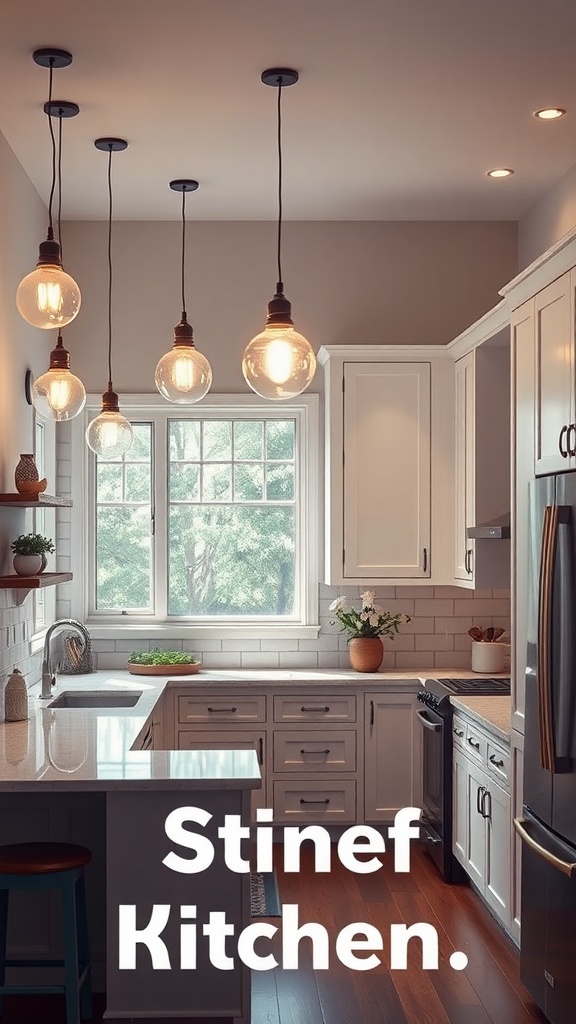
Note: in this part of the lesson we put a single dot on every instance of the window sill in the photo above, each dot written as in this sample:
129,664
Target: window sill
165,631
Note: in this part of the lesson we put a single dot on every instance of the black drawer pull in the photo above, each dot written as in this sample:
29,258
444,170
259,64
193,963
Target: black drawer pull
458,732
216,711
498,764
563,434
303,801
474,744
260,750
316,709
327,751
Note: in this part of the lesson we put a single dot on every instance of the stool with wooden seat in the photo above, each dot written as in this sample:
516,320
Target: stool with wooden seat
42,866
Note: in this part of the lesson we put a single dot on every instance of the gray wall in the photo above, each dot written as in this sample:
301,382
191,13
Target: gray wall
548,220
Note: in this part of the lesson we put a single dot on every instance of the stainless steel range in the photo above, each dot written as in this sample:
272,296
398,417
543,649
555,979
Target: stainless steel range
436,721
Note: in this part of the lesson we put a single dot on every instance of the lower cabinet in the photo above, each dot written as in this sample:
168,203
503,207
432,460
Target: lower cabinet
337,757
392,755
481,831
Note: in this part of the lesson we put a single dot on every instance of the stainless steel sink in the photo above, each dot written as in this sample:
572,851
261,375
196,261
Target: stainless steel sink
96,699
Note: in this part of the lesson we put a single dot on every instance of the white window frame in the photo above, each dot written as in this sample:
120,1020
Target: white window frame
305,410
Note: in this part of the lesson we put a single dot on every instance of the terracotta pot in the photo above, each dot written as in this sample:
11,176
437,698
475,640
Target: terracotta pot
27,565
366,653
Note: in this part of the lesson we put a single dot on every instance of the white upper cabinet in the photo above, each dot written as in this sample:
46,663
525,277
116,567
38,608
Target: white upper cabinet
554,364
482,462
387,421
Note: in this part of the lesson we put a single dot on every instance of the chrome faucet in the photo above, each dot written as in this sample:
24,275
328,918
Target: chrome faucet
49,668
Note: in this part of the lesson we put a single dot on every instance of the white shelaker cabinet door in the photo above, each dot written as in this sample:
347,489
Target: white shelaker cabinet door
497,870
475,863
392,755
554,358
465,465
386,470
459,806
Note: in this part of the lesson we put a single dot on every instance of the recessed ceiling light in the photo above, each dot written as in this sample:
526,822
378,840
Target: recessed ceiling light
549,113
500,172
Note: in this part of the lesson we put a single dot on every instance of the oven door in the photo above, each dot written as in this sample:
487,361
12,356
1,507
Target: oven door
433,767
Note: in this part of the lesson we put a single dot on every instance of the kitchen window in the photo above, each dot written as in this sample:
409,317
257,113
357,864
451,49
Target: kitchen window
210,518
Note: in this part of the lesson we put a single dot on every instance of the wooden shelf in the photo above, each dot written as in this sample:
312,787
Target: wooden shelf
44,579
17,500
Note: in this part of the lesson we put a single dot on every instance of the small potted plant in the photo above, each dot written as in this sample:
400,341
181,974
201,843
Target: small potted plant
30,551
366,627
159,662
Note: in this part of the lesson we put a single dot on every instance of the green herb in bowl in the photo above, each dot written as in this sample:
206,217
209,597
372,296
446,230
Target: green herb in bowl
161,662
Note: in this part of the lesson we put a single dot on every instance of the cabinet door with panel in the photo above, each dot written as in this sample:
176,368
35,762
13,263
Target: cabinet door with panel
392,755
226,739
386,470
554,365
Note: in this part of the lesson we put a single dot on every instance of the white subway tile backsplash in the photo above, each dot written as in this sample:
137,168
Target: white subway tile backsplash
482,606
439,606
452,624
257,659
436,642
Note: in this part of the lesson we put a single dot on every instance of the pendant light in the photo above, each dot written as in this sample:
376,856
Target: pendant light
48,297
59,394
110,434
279,362
183,375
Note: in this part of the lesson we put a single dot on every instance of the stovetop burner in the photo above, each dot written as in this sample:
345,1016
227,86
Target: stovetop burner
482,685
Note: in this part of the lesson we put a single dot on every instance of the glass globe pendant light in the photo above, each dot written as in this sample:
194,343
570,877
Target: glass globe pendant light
58,394
48,297
279,362
183,375
109,434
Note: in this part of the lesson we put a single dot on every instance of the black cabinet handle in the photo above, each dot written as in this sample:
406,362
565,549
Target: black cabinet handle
480,799
468,561
371,712
474,744
563,433
260,750
219,711
303,801
327,751
499,764
571,439
425,559
487,814
458,732
327,708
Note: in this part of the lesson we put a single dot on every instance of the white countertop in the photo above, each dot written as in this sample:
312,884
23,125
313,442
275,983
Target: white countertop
493,712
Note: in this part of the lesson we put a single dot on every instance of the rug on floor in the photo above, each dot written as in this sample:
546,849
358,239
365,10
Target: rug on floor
264,897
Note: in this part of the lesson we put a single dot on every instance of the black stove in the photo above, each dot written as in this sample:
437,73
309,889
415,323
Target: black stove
437,692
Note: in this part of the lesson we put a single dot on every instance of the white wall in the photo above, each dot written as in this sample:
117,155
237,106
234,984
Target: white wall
365,283
551,217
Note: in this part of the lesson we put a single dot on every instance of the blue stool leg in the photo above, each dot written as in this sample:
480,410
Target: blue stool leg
83,948
68,892
3,930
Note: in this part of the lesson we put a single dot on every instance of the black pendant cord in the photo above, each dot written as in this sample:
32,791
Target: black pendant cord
53,185
110,385
280,285
59,214
184,317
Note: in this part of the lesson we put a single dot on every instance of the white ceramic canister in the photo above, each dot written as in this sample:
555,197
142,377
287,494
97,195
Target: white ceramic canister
16,698
489,657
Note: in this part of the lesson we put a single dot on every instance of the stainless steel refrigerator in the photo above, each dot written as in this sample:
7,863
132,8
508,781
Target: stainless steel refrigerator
548,823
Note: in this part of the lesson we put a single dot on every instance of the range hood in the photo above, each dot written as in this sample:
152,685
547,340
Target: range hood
496,529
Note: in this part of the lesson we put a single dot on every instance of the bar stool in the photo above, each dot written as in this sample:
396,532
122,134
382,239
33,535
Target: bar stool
39,866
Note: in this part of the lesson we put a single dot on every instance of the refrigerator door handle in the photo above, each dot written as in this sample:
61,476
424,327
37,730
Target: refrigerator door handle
545,592
563,701
522,826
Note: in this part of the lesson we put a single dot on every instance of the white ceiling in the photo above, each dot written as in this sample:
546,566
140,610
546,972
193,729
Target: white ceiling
401,108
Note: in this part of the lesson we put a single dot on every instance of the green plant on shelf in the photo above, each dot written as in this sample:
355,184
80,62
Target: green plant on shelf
157,656
32,544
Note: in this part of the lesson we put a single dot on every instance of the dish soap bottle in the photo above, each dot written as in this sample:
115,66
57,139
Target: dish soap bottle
16,698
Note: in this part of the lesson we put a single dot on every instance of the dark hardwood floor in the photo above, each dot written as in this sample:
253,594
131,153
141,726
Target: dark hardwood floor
488,991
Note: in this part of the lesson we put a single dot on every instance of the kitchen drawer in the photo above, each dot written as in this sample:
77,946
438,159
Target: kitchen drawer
326,802
458,731
315,752
475,743
225,739
323,708
498,762
222,708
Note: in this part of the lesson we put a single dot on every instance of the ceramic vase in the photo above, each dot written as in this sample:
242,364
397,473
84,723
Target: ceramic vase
26,473
27,565
366,653
488,657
